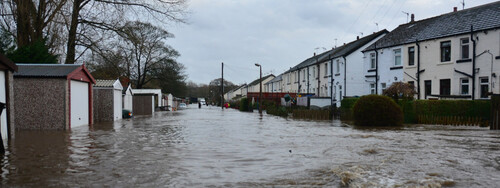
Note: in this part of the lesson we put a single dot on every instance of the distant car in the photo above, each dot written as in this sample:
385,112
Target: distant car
126,113
182,106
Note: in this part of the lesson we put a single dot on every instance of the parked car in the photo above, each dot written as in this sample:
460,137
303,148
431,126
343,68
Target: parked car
126,113
182,106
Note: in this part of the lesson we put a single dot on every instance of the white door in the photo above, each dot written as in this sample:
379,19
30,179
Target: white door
117,104
79,103
3,99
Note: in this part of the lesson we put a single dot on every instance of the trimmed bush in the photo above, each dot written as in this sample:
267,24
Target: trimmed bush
377,110
277,111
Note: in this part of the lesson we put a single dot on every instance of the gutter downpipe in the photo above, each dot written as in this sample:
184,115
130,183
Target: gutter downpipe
319,80
376,69
345,76
331,80
473,62
418,68
308,75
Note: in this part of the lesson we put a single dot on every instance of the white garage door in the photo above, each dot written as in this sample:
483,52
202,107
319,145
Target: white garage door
79,103
117,102
3,99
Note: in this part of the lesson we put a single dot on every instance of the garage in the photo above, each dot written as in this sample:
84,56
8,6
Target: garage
107,100
52,96
7,67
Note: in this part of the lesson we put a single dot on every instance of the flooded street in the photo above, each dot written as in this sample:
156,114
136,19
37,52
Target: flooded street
227,148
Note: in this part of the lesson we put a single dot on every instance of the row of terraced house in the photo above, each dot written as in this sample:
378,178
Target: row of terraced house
450,56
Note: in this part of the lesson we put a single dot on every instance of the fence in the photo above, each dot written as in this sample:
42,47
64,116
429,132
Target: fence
312,114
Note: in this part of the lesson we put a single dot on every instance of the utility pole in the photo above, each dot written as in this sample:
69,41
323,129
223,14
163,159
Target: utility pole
222,87
260,92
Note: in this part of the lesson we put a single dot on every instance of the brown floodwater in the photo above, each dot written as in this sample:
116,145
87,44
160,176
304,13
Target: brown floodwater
210,147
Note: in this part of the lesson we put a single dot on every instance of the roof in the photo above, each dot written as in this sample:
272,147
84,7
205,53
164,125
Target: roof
258,79
104,83
482,17
7,62
146,91
45,70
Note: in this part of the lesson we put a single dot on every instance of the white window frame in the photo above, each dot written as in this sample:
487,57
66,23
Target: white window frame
462,84
372,88
314,72
383,86
481,83
326,69
462,44
372,61
397,55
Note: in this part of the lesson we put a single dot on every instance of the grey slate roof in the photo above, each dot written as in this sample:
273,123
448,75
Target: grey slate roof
45,70
482,17
340,51
104,83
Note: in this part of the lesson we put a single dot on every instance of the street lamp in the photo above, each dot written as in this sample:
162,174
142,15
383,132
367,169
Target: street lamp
260,89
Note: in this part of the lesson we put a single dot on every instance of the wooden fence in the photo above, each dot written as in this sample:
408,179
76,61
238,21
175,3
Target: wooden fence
312,114
453,120
495,112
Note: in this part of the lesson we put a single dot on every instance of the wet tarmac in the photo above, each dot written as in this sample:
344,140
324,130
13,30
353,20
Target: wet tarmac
210,147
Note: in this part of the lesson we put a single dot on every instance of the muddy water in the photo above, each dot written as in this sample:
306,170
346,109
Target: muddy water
210,147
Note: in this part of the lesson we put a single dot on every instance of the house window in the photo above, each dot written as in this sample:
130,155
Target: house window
412,84
383,86
331,67
288,78
338,66
372,88
484,87
464,48
428,87
340,93
296,79
397,57
411,56
444,87
464,86
372,61
314,72
445,51
326,69
304,75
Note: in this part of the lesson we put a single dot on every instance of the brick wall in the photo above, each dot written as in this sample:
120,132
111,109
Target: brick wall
103,105
41,103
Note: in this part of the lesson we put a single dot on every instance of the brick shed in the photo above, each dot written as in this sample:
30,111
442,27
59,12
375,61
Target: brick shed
7,68
107,100
52,96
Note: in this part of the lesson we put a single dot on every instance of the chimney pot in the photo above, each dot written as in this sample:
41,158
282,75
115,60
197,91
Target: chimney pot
454,9
357,37
314,54
412,18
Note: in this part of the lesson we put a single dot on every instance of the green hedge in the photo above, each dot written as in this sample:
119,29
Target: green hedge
346,108
377,110
244,105
415,109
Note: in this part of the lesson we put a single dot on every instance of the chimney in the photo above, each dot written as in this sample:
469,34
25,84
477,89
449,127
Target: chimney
412,18
357,37
314,54
454,9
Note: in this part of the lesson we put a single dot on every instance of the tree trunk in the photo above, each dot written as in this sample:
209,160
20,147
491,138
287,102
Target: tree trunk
70,52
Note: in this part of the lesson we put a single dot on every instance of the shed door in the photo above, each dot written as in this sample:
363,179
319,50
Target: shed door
117,104
3,99
79,103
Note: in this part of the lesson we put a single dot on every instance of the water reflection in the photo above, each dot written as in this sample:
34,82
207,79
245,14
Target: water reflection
214,147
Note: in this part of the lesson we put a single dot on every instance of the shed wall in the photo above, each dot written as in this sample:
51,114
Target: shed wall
103,105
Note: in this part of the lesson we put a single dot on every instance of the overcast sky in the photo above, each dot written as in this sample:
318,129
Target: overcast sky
279,34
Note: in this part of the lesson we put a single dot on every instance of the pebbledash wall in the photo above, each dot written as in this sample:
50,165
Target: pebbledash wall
45,93
103,105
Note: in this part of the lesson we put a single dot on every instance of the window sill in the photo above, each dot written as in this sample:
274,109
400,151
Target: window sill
497,57
464,60
395,68
338,74
326,76
372,70
411,67
370,76
445,63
